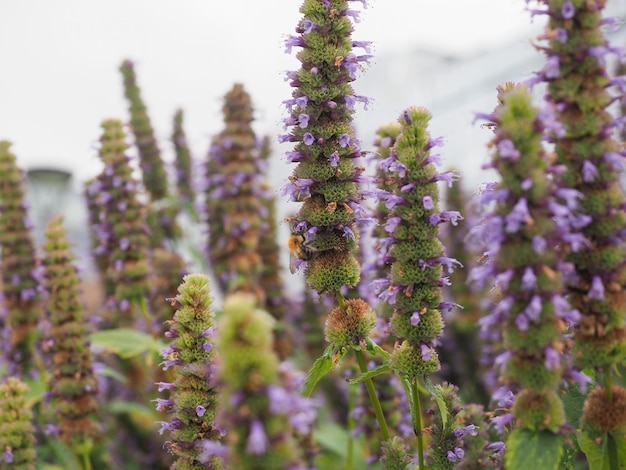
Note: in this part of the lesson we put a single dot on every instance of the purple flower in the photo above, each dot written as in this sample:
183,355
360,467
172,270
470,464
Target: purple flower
456,454
303,120
552,360
597,289
257,440
308,138
426,352
518,215
506,149
344,140
568,11
529,280
415,318
590,172
200,410
308,26
163,404
334,159
551,68
427,201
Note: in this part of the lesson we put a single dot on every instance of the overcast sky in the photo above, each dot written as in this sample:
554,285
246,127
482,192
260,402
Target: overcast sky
60,59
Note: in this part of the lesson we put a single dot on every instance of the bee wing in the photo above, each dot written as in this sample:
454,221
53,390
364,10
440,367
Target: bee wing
293,262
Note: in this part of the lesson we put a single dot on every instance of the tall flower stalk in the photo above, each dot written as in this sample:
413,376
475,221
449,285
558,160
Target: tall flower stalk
184,161
418,261
17,441
234,198
326,179
262,417
20,277
72,383
192,397
121,230
150,161
530,221
578,83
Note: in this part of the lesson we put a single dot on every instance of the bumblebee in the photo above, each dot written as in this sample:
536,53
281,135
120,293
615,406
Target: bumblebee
299,249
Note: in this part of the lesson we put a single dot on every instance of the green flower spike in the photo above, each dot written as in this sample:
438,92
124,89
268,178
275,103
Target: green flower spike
254,404
17,439
193,397
19,267
72,383
234,198
326,179
122,231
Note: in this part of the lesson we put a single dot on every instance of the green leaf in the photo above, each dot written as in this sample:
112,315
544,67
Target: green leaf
598,456
322,366
374,349
528,449
573,401
126,342
378,370
334,442
441,404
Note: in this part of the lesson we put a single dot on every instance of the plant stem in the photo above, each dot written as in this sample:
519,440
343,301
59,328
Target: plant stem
611,445
143,306
351,424
417,423
371,391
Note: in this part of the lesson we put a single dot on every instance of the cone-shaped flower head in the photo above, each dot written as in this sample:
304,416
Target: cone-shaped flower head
446,446
122,230
578,83
262,417
72,383
184,161
19,274
192,395
150,162
530,218
321,108
234,209
17,441
418,260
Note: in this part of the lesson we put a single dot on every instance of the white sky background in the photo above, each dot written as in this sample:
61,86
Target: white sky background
59,59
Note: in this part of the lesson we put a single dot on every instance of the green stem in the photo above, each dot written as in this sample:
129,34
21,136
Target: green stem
611,444
371,391
417,423
351,425
86,461
340,300
143,306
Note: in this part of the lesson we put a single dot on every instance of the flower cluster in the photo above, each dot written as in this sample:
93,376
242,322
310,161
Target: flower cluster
262,416
17,441
121,229
445,450
150,162
416,255
72,383
20,278
577,85
184,160
161,213
235,190
529,218
326,179
270,279
193,397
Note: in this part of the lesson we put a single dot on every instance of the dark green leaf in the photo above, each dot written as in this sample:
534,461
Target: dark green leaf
126,342
528,449
381,369
322,366
441,404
